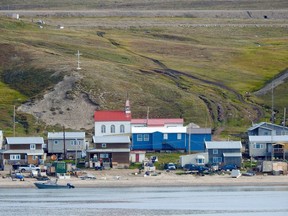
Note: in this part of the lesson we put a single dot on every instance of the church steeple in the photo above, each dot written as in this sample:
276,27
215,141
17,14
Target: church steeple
127,107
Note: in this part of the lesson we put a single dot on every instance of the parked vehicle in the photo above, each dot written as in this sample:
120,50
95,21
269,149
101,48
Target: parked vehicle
170,166
28,168
193,167
229,167
249,173
17,175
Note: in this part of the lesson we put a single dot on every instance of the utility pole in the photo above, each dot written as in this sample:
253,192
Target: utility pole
76,142
14,119
272,114
284,118
64,143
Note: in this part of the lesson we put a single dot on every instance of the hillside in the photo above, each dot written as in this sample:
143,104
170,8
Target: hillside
202,67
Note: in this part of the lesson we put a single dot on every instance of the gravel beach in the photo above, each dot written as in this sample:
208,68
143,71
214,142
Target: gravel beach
131,178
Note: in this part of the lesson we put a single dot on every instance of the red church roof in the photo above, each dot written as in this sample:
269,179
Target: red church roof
111,116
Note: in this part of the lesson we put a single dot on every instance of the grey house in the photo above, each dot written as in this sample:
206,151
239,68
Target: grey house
267,129
224,152
268,141
268,147
67,144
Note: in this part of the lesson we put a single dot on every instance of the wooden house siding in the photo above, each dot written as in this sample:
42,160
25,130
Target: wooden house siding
155,141
111,145
121,158
233,160
214,154
23,146
57,145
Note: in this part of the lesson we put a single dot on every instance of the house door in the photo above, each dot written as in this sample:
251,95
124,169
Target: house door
137,158
269,148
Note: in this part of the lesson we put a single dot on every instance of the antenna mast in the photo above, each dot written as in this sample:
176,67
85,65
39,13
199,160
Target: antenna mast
272,113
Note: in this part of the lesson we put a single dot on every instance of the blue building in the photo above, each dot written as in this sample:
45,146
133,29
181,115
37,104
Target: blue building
224,152
169,138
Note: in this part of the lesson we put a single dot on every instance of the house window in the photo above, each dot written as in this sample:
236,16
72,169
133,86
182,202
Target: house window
104,145
74,142
103,129
34,157
215,151
122,129
217,159
139,137
146,137
15,157
179,136
199,160
55,142
32,146
258,146
112,129
165,136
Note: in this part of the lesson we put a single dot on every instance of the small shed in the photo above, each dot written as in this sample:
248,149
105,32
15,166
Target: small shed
15,16
60,167
197,159
137,156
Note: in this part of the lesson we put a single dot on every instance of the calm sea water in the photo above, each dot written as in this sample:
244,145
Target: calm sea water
214,201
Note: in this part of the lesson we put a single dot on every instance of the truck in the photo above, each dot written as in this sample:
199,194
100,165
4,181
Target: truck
28,168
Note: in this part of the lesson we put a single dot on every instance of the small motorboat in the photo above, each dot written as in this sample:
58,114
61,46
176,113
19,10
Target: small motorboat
236,173
53,185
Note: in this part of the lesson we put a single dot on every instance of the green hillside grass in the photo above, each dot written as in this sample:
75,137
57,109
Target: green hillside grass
143,4
201,74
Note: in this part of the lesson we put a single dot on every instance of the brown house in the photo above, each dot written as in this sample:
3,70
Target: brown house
110,151
23,150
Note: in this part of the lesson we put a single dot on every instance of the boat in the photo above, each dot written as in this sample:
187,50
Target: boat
53,185
235,173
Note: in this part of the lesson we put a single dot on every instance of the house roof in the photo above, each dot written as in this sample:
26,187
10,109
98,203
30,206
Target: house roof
103,115
199,130
111,139
157,122
266,126
265,138
137,130
68,135
223,144
25,140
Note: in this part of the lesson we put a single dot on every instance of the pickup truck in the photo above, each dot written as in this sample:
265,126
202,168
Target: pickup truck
28,168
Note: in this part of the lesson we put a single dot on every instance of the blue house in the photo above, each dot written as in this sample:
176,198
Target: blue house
169,138
224,152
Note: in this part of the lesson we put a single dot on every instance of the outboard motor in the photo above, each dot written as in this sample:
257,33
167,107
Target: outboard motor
70,185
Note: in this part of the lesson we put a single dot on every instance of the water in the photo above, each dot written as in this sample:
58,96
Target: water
170,201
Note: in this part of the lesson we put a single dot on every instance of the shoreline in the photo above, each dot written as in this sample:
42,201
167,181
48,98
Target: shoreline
129,179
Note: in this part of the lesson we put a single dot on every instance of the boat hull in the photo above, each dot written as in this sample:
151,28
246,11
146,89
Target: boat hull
42,185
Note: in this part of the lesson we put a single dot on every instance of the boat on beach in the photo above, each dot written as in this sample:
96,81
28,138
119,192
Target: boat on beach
53,185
